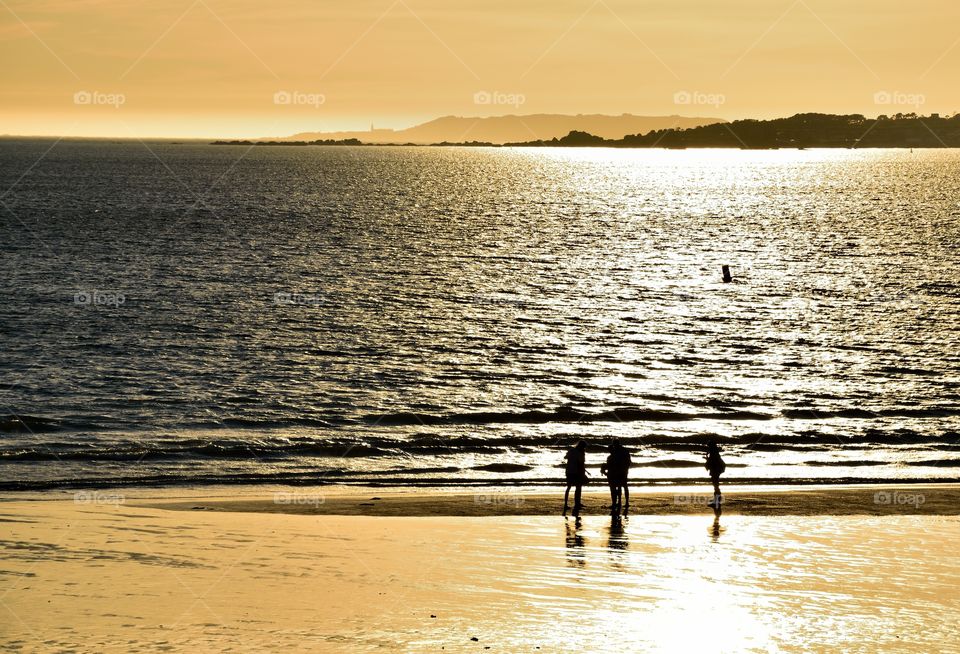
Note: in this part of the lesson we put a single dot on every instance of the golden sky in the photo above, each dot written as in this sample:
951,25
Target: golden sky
225,68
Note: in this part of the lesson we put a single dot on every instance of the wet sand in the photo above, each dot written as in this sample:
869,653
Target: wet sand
916,499
107,573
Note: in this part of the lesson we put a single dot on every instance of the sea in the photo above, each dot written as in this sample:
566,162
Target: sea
179,313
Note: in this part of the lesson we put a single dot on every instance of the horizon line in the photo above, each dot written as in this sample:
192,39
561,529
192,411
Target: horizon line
171,137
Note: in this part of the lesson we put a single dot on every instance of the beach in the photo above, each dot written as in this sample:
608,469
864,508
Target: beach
335,569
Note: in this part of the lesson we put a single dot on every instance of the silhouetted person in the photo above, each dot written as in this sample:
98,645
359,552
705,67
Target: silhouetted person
617,469
576,472
716,467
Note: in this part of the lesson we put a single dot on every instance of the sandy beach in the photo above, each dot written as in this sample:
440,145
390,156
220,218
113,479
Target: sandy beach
226,570
918,499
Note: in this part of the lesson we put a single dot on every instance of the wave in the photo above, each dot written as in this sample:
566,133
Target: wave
135,451
640,414
561,414
29,424
35,424
866,414
438,444
262,423
721,409
672,463
846,464
900,370
762,446
503,467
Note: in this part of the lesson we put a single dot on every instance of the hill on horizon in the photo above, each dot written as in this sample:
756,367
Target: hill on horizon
511,128
807,130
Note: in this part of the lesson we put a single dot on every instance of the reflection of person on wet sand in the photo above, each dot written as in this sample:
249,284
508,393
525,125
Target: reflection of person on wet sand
716,467
618,535
575,542
617,468
574,537
576,472
716,528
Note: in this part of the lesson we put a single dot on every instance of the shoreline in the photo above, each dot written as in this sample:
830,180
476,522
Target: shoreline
137,486
941,499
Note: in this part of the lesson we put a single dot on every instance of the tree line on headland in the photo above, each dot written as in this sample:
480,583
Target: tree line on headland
810,130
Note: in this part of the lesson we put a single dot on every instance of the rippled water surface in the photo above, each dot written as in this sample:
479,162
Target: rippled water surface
185,312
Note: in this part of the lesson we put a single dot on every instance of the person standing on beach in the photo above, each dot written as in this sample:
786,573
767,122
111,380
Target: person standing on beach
576,473
617,468
716,467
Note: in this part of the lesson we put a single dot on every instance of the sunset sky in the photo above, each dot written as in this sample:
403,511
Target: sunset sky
237,68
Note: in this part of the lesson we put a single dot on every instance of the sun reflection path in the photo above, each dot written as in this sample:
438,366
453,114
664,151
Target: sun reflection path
734,584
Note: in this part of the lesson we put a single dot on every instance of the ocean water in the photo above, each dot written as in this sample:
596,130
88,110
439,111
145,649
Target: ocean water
178,313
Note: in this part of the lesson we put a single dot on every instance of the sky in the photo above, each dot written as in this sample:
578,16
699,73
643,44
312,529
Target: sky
238,68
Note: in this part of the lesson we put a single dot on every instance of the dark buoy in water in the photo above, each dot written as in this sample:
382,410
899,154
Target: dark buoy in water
727,277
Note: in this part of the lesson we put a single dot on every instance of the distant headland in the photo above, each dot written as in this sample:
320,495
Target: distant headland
505,129
809,130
